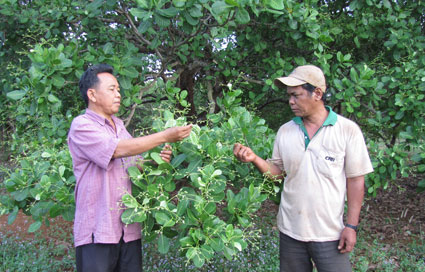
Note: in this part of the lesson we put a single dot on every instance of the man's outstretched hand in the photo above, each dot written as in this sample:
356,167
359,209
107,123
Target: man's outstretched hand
243,153
175,134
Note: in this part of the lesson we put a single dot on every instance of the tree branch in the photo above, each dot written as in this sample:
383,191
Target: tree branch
259,82
133,107
277,100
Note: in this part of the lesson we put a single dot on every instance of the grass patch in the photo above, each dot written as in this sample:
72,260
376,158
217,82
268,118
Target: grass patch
34,255
371,254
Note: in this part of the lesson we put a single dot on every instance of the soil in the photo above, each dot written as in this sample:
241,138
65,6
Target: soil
396,214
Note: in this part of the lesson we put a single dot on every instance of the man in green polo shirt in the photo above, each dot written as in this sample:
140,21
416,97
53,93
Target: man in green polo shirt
324,159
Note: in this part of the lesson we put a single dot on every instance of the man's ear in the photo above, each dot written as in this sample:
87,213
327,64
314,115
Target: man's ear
318,93
91,94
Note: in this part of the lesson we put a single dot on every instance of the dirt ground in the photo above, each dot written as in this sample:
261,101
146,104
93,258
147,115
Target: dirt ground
396,214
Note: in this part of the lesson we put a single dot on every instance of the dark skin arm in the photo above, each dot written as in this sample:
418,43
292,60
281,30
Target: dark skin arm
135,146
355,195
245,154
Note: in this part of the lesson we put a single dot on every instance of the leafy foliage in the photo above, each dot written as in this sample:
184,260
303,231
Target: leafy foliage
41,186
204,197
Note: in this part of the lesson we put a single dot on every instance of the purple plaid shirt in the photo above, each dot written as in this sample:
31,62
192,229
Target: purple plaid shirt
101,180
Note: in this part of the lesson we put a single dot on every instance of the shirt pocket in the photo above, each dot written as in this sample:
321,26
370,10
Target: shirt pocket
328,163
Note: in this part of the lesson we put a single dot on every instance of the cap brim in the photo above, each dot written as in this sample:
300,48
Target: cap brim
282,82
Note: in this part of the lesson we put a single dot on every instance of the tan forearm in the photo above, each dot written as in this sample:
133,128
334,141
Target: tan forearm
135,146
268,168
355,195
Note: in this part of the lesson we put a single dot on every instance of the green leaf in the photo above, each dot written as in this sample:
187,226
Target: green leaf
144,26
293,24
196,11
228,253
182,206
12,216
133,172
176,161
168,13
140,216
139,13
399,115
144,4
243,221
94,5
125,83
58,81
276,4
34,226
232,3
193,138
163,244
162,218
170,186
237,245
21,194
193,166
356,41
353,75
229,231
217,244
16,95
108,48
129,201
130,72
127,216
192,21
210,208
186,241
405,135
219,7
387,4
153,189
242,16
198,260
163,22
157,158
61,170
179,3
52,98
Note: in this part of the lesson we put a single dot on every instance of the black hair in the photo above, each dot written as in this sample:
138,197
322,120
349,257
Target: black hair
310,88
89,78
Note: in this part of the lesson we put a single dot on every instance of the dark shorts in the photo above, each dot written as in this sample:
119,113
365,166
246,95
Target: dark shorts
297,256
119,257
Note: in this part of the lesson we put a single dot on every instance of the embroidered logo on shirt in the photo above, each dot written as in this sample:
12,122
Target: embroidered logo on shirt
329,159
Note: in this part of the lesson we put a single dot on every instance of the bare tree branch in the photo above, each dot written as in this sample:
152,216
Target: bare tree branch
278,100
133,107
259,82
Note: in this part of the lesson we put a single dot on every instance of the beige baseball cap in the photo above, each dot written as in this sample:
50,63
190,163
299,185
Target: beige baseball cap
302,75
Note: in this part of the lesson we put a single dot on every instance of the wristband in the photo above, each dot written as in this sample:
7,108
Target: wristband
351,227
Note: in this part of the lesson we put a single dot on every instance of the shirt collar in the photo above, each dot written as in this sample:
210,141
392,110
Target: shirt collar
96,117
102,120
330,120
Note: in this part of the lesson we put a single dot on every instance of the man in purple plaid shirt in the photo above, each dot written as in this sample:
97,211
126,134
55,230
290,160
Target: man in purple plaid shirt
102,150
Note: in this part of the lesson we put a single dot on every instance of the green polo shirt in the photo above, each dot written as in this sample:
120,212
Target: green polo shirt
330,121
